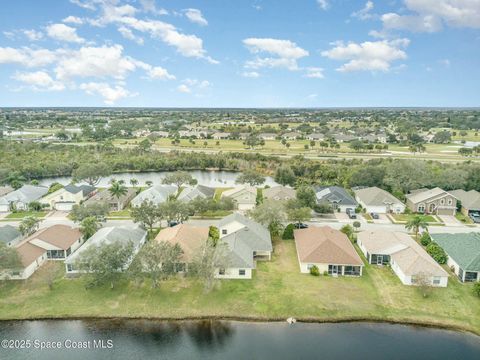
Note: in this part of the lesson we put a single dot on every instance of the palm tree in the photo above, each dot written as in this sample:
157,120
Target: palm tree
118,190
89,226
416,223
133,182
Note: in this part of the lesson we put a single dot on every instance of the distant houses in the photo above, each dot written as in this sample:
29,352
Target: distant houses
116,204
470,201
65,198
463,250
21,198
432,201
157,194
244,197
329,250
336,196
193,192
247,241
108,235
376,200
408,260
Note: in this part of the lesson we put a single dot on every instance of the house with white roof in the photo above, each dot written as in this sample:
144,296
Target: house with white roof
245,197
376,200
157,194
21,198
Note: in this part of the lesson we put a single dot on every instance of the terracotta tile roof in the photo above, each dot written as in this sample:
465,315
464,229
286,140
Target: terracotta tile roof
190,238
325,245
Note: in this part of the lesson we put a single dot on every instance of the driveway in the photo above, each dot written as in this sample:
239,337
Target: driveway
342,217
382,219
450,220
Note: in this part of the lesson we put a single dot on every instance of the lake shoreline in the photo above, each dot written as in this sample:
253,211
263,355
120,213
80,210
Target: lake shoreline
256,319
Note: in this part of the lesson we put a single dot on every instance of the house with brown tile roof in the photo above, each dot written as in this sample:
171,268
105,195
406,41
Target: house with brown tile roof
58,240
190,239
328,249
408,260
31,258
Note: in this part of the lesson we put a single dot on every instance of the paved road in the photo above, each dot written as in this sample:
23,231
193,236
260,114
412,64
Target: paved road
49,221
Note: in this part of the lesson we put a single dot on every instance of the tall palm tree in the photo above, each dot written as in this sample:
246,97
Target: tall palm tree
118,190
89,226
133,182
416,223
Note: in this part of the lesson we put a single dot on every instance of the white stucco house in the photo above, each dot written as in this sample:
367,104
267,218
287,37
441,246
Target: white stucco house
245,197
376,200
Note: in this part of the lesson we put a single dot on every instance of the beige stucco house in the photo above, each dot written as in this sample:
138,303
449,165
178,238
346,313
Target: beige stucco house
245,197
432,201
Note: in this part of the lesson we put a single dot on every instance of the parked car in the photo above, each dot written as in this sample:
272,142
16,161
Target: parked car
375,216
475,217
173,223
351,213
301,226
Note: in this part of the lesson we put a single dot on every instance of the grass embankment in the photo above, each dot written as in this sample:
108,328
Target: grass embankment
276,292
19,215
403,218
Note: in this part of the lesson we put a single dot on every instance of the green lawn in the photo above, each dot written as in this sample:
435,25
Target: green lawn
462,218
407,217
21,214
277,291
125,213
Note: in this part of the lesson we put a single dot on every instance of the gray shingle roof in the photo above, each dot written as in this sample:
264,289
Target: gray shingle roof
190,193
374,196
463,248
26,194
74,189
334,194
9,233
469,199
157,194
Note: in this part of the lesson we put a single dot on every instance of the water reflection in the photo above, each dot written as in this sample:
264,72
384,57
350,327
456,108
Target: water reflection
210,333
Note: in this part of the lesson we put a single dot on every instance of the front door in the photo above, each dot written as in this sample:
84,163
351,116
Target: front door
334,269
379,259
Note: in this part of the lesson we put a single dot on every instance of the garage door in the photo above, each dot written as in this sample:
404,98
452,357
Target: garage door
446,212
245,206
4,208
64,206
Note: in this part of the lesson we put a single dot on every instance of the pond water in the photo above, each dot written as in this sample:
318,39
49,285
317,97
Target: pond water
204,177
138,339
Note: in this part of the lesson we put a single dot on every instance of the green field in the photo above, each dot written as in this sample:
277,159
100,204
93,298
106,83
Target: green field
277,291
21,214
407,217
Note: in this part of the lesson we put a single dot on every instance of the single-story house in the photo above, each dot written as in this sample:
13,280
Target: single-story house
64,198
20,198
108,235
315,137
292,135
376,200
280,193
328,249
10,235
157,194
247,241
336,196
31,258
220,135
267,136
344,137
160,134
4,190
470,200
407,258
245,197
190,238
116,204
199,191
58,240
432,201
463,250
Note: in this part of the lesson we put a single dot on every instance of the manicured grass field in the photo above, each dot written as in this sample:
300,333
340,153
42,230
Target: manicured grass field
407,217
277,291
21,214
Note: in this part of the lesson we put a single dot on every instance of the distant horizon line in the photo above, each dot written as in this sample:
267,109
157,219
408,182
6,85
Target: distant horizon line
247,108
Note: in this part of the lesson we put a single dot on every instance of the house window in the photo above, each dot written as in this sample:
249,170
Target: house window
15,273
470,276
442,201
69,267
436,280
224,231
421,208
221,272
241,272
450,202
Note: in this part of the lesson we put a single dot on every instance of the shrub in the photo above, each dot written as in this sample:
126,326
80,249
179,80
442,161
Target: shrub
323,208
437,253
425,239
476,289
314,271
288,232
325,273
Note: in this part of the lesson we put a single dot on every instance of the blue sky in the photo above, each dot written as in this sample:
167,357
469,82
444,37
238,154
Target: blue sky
240,53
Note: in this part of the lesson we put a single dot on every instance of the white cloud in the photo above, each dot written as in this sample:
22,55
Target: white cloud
149,6
369,55
9,35
195,16
110,94
286,53
324,5
158,72
28,57
364,13
128,34
184,89
314,72
250,74
312,96
430,15
33,35
423,23
84,4
64,32
73,20
444,62
39,80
